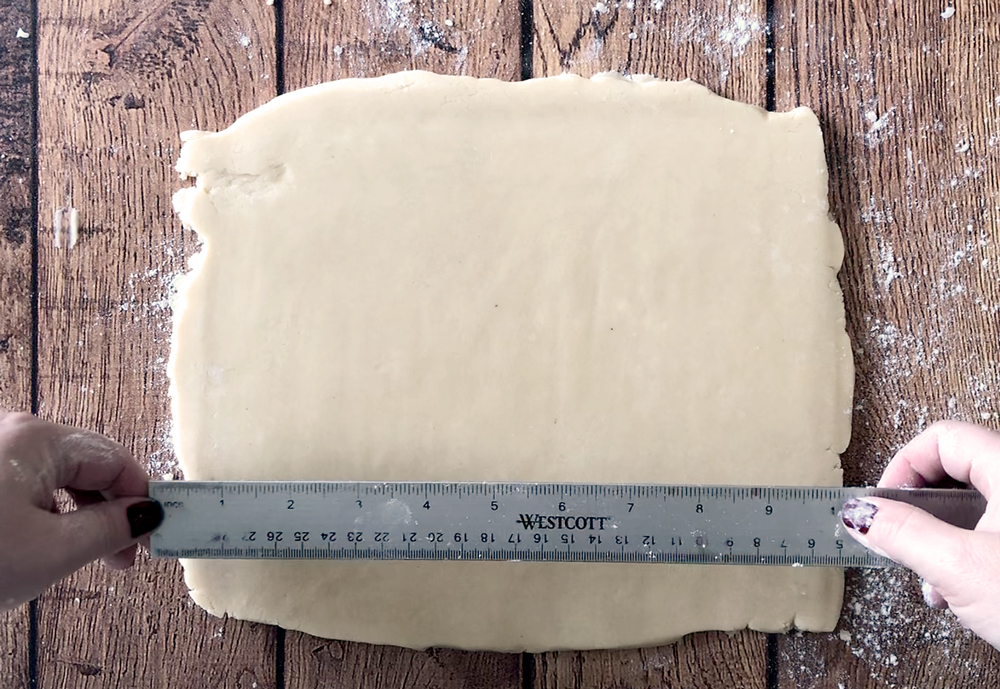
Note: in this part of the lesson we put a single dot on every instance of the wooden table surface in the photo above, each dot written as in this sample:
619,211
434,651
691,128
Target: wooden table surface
93,95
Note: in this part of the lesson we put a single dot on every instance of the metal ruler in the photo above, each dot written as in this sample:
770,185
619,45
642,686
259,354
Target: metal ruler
551,522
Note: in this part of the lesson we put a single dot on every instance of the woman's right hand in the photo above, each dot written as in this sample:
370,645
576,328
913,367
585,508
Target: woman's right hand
960,568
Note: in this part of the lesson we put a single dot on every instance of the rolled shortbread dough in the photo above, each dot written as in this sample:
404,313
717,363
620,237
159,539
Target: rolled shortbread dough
599,280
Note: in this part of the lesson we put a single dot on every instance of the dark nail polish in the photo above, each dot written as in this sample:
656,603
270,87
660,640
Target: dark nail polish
858,514
143,517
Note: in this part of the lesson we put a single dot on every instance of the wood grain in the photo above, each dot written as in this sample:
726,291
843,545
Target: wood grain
908,98
697,661
366,39
723,46
16,318
314,662
718,43
118,82
361,38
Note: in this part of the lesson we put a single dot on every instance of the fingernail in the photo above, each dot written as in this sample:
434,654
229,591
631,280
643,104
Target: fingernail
858,514
143,517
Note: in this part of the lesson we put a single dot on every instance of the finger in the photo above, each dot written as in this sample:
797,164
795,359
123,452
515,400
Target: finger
123,559
93,462
85,498
930,547
74,458
964,451
102,530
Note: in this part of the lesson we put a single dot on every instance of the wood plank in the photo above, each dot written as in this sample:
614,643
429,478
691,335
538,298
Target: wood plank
16,319
723,46
356,38
119,81
314,662
698,660
910,104
718,43
360,39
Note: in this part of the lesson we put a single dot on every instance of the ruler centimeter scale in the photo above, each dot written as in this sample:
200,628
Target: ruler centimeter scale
509,521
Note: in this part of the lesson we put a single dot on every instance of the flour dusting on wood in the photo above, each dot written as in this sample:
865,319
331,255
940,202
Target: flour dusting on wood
885,625
404,26
146,299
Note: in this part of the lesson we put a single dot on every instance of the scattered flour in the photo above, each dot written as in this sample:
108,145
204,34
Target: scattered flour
881,127
146,301
739,33
392,20
884,624
720,37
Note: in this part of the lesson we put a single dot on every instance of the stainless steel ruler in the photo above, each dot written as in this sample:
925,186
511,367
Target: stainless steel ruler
550,522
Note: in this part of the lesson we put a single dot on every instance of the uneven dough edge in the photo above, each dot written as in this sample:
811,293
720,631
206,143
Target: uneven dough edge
196,210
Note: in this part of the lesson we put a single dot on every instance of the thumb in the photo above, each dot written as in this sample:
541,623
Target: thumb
933,549
99,531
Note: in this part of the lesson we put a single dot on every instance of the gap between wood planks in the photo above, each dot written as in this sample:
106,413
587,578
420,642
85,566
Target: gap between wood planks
770,101
33,196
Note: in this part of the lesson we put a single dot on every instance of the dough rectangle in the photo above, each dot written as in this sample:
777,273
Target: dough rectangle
425,277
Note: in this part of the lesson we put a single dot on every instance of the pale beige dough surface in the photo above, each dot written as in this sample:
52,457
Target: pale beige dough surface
428,277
